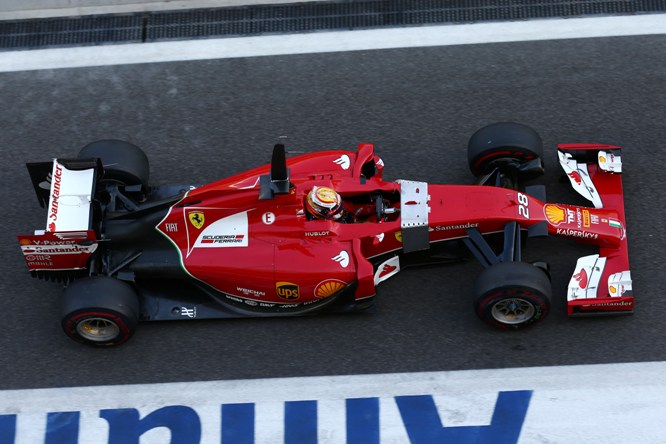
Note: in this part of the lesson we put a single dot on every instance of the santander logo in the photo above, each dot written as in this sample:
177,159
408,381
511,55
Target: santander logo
344,161
575,175
55,195
386,270
342,258
582,278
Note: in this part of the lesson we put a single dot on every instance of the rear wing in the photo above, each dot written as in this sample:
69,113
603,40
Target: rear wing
601,283
66,188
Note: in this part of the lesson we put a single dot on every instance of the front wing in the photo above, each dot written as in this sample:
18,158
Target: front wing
601,283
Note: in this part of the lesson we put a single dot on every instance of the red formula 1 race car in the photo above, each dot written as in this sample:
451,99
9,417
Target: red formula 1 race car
318,232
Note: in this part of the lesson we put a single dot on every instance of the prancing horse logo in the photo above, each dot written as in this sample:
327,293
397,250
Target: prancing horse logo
197,219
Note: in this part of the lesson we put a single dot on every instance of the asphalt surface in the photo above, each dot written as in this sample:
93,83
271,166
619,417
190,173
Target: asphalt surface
199,121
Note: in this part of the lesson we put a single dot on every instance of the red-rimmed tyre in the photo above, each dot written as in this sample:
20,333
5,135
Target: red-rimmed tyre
100,311
512,295
500,143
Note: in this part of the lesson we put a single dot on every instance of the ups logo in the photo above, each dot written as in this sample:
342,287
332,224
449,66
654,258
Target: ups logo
287,290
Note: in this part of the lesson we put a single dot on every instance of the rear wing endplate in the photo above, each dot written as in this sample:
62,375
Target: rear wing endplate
66,189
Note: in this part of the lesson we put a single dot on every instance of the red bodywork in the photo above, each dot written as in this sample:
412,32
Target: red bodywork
610,227
58,251
266,253
267,250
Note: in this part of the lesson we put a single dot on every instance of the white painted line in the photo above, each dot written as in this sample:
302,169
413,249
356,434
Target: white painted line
332,42
609,403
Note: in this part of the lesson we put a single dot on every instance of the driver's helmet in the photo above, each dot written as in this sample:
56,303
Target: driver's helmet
324,203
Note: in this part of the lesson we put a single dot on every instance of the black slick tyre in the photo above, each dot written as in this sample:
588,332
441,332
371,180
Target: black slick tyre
512,295
100,311
501,142
123,162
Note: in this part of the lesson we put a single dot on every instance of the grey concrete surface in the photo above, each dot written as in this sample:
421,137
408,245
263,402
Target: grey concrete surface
199,121
24,9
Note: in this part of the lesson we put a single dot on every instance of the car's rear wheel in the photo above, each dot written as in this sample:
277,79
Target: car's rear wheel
512,295
100,311
500,144
123,162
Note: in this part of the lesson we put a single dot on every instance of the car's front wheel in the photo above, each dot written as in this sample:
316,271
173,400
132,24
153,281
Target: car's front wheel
512,295
100,311
505,144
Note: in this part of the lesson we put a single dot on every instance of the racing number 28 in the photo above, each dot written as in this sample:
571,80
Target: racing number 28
523,206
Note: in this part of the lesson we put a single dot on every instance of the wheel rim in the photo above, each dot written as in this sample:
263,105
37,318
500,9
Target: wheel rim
98,329
513,311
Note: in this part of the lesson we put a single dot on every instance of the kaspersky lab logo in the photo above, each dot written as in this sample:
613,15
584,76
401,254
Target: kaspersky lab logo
287,290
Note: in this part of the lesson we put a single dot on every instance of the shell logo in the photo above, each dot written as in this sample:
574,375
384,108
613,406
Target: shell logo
602,159
554,214
616,291
328,288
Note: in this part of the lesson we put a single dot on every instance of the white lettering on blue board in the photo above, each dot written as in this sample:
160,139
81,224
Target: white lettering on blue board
419,415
